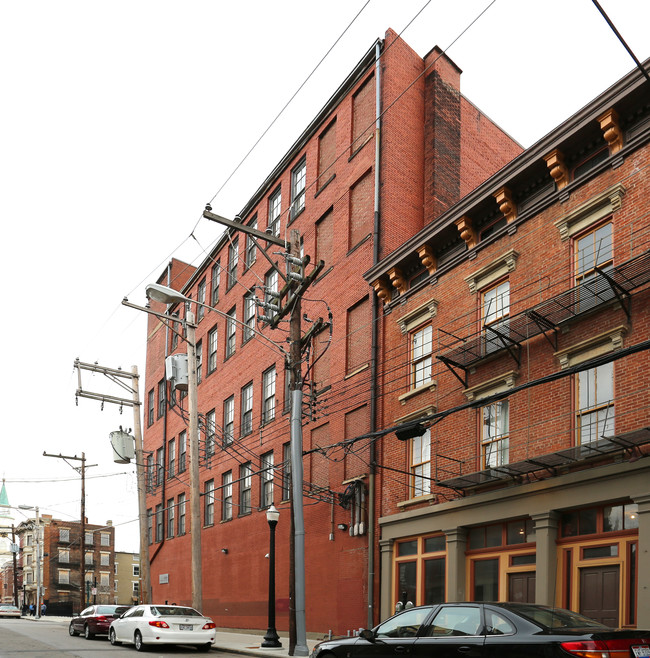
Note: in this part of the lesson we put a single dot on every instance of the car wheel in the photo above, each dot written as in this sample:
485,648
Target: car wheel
204,647
71,630
137,640
113,638
87,634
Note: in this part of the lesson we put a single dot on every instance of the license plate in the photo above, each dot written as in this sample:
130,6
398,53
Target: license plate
640,652
189,627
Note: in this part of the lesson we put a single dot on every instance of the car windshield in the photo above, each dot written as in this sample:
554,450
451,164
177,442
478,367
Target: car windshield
8,607
551,618
108,609
168,610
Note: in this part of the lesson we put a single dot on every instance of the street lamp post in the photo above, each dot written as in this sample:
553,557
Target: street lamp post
271,638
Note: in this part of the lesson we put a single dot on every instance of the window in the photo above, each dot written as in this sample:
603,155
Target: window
89,558
286,471
275,202
456,620
325,239
421,464
495,429
160,466
136,569
150,473
593,250
406,625
231,332
159,522
271,287
267,480
216,279
171,458
496,310
326,155
209,503
200,298
150,407
251,250
233,257
298,180
199,361
486,580
247,409
88,538
245,485
363,111
229,420
182,451
161,398
181,514
149,526
249,315
171,509
64,576
226,496
105,559
268,395
64,534
64,555
212,349
104,579
595,397
358,337
105,539
421,343
210,429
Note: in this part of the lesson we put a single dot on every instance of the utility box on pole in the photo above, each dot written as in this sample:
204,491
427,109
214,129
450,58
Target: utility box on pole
123,447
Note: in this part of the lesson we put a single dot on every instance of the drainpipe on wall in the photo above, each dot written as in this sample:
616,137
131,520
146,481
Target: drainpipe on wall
374,350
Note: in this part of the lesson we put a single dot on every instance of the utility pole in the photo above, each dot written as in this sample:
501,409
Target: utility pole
82,472
130,382
15,565
288,302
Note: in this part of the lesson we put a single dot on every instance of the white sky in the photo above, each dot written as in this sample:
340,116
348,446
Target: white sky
119,120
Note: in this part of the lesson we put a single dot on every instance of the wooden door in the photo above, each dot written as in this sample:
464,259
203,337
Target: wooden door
599,594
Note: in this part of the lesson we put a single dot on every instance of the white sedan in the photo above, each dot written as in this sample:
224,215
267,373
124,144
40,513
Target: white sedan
9,611
162,624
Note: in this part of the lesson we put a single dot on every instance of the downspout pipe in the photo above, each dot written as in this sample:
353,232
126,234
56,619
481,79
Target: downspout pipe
374,348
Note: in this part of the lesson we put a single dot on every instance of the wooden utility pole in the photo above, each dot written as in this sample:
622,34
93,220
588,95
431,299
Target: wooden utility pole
119,376
82,562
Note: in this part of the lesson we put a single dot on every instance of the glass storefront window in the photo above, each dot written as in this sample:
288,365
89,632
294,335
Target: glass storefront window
613,518
407,581
521,560
520,532
600,551
493,536
434,544
630,517
407,548
434,580
588,519
486,580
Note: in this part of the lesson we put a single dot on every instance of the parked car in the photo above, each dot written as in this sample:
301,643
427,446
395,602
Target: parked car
9,611
95,620
163,624
495,630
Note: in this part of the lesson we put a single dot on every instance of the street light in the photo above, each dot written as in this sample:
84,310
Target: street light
37,538
271,638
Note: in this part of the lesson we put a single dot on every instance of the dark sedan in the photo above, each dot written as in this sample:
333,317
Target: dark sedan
488,630
95,620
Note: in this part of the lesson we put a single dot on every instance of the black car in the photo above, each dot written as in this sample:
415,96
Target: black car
488,630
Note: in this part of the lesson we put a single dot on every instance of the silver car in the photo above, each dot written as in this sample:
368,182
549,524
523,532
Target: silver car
9,611
145,625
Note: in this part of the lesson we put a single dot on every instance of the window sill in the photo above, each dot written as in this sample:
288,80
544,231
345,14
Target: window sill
428,498
431,386
325,184
357,371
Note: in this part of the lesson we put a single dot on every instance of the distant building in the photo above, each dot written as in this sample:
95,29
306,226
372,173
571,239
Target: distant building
127,578
69,579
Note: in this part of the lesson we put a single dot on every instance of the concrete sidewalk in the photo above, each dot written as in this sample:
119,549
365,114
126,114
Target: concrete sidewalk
247,643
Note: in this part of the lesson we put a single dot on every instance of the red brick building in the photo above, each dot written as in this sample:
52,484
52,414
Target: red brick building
514,343
396,145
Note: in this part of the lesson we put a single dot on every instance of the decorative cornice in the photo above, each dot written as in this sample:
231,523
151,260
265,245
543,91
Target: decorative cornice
492,271
427,258
506,204
497,384
467,232
418,316
612,132
397,279
608,341
556,167
592,211
382,289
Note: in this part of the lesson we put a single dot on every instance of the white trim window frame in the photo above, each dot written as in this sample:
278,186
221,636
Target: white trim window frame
421,356
298,186
229,420
210,430
208,517
595,403
247,409
200,298
268,395
250,311
420,464
216,280
250,255
495,313
226,496
233,258
213,344
495,434
231,332
245,488
267,473
593,249
275,205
